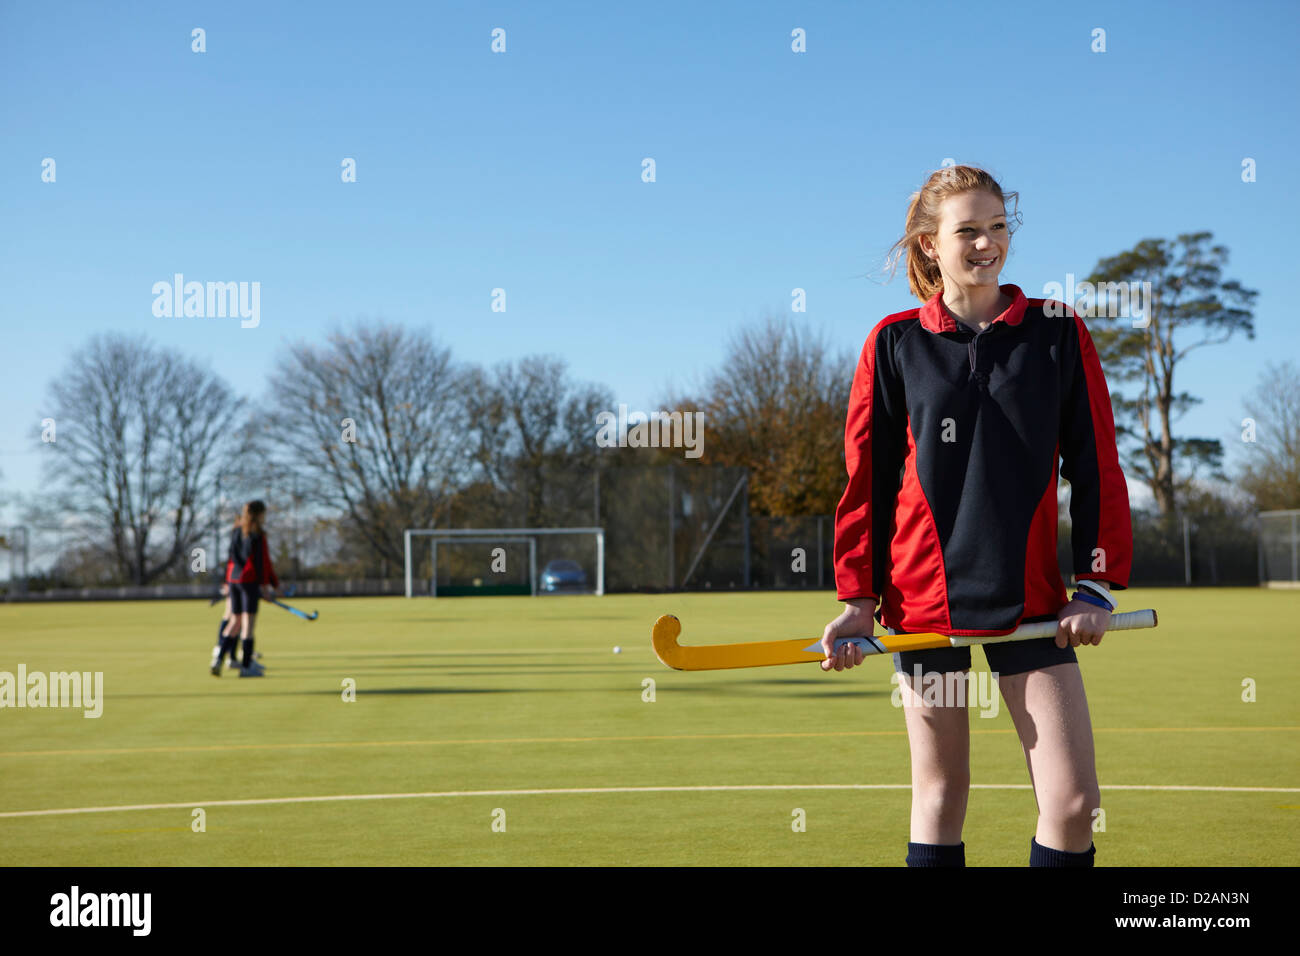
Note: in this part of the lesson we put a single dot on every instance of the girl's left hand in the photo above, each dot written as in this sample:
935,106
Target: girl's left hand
1080,623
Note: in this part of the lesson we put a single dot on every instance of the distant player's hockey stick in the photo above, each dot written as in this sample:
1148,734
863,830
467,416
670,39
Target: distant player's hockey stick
293,610
712,657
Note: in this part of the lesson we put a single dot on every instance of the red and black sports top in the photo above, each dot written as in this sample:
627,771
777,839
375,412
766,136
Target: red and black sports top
952,447
250,560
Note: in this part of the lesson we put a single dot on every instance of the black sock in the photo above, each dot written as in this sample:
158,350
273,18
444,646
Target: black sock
221,629
936,854
227,647
248,652
1040,855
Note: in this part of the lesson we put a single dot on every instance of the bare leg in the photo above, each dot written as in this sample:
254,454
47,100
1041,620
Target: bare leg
1050,711
939,739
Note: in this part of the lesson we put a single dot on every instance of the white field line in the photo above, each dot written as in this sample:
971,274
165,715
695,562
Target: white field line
461,741
453,794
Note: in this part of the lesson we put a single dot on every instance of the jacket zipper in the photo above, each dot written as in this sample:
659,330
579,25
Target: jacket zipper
980,379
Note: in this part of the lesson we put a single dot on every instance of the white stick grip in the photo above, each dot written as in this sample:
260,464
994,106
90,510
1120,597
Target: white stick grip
1128,621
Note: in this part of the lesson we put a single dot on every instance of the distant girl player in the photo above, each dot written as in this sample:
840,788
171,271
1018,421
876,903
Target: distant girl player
960,413
247,569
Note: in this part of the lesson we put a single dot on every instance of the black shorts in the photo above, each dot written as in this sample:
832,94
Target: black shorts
1013,657
243,598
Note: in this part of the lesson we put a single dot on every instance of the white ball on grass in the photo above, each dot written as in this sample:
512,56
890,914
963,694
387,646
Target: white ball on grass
618,650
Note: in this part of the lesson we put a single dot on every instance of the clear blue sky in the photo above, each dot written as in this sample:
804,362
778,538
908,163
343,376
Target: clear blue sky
522,170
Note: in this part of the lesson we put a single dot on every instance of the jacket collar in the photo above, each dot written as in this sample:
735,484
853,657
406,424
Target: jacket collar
936,318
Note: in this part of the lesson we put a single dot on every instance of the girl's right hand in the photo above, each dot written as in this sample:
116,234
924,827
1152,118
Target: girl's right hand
225,588
854,621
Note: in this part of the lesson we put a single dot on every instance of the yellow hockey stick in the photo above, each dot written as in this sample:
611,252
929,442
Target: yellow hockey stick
713,657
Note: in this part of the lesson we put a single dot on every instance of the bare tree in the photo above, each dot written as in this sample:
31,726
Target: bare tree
1188,295
777,406
1271,474
138,434
535,431
375,425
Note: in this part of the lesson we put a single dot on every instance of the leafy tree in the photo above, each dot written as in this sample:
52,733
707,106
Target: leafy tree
1190,306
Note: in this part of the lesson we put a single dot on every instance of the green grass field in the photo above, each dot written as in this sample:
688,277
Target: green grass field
473,702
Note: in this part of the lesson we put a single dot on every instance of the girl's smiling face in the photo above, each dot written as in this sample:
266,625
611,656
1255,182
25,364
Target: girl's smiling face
972,241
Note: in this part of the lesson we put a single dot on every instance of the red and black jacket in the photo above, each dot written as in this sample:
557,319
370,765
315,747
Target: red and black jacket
250,560
952,447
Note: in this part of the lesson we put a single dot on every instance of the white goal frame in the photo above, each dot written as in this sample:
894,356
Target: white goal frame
495,536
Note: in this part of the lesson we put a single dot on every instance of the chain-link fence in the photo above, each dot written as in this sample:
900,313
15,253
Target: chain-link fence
15,552
667,527
794,553
1185,549
675,526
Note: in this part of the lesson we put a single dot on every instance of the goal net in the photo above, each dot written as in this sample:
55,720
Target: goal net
504,561
1279,548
